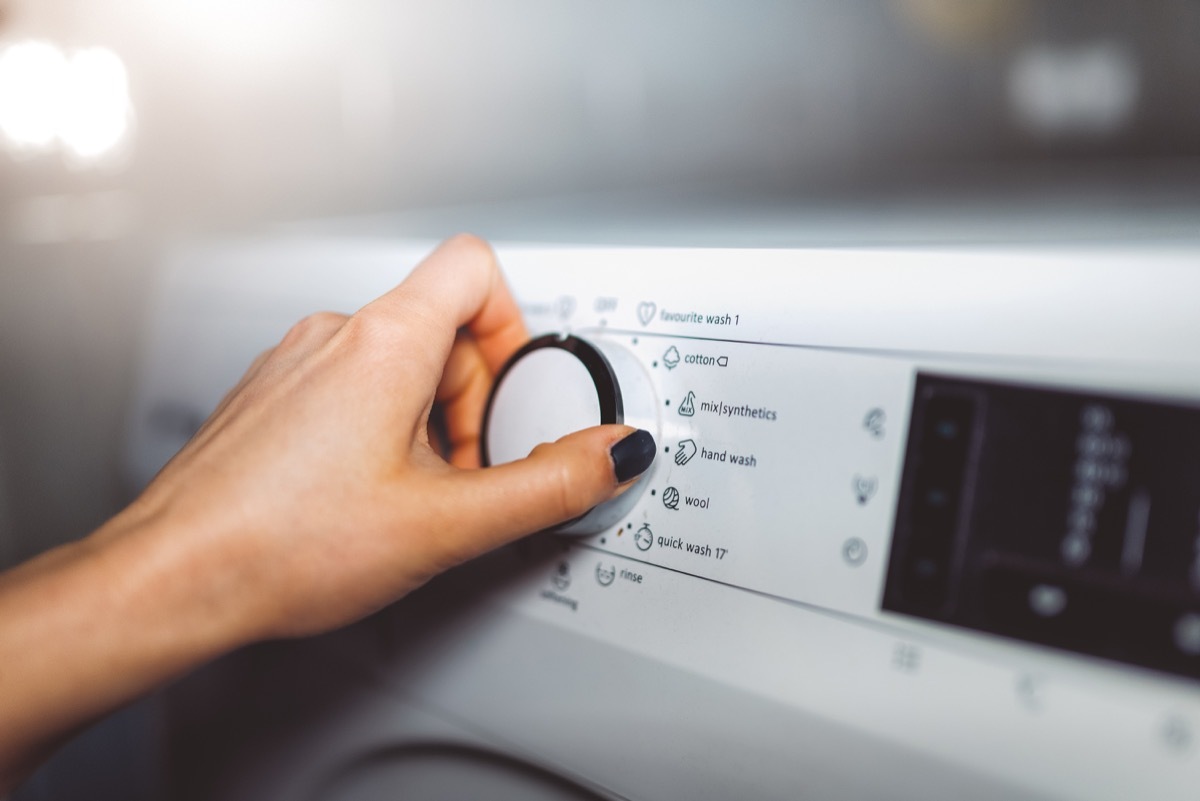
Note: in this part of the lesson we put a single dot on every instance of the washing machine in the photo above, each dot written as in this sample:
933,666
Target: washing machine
924,524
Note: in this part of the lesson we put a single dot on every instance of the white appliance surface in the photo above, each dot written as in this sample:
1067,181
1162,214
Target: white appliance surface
729,638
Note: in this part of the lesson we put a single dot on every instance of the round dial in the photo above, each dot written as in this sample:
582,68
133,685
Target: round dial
559,384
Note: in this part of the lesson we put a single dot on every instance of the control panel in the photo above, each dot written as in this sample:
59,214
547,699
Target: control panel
1062,518
1065,518
947,501
738,493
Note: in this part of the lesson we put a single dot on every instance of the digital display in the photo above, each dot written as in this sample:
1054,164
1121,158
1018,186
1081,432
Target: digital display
1062,518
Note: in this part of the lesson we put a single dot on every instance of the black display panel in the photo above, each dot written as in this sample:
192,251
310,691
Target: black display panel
1062,518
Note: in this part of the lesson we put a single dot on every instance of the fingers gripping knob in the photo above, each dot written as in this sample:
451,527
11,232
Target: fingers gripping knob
556,385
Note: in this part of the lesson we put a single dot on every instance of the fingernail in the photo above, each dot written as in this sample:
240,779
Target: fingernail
633,455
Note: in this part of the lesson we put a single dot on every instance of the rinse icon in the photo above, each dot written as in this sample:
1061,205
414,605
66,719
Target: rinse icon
605,575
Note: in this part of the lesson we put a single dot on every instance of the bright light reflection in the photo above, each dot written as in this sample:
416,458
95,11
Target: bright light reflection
95,107
80,104
31,90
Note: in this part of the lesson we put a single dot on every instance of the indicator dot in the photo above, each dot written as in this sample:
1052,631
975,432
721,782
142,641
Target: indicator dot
1076,548
629,525
654,364
653,493
635,340
1187,634
667,449
668,402
1047,600
937,498
603,323
603,541
946,429
926,568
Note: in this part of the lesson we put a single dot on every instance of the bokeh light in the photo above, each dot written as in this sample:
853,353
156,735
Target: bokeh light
31,90
95,112
77,104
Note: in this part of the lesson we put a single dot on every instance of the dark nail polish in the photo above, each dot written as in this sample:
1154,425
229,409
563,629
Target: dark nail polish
633,455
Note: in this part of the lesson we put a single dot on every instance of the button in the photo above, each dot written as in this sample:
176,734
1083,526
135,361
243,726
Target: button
854,551
924,544
906,657
1062,613
864,488
1047,600
1177,734
1029,692
875,422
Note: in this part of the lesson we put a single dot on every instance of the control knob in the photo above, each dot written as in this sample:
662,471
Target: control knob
557,384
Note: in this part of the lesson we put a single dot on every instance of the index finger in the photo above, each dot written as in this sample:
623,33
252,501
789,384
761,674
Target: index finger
459,284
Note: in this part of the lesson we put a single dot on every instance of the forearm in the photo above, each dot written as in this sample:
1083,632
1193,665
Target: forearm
92,625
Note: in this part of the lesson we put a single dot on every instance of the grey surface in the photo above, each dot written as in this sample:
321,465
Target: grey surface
448,773
69,325
118,759
299,717
7,535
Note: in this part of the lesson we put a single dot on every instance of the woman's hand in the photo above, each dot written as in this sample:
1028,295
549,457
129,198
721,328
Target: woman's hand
312,497
315,488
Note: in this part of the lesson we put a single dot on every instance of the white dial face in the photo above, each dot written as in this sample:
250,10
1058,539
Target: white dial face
558,385
546,395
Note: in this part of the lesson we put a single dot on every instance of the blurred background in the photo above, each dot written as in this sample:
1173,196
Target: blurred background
130,125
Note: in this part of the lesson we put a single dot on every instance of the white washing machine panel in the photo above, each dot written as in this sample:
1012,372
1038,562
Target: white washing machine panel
922,524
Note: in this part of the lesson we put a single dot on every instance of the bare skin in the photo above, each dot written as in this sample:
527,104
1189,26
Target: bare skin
311,498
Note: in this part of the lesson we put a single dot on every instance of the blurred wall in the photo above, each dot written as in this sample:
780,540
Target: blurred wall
255,109
69,321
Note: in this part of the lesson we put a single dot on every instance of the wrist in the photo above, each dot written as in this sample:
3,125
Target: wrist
176,583
91,625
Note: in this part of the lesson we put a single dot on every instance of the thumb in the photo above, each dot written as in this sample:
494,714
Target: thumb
557,482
